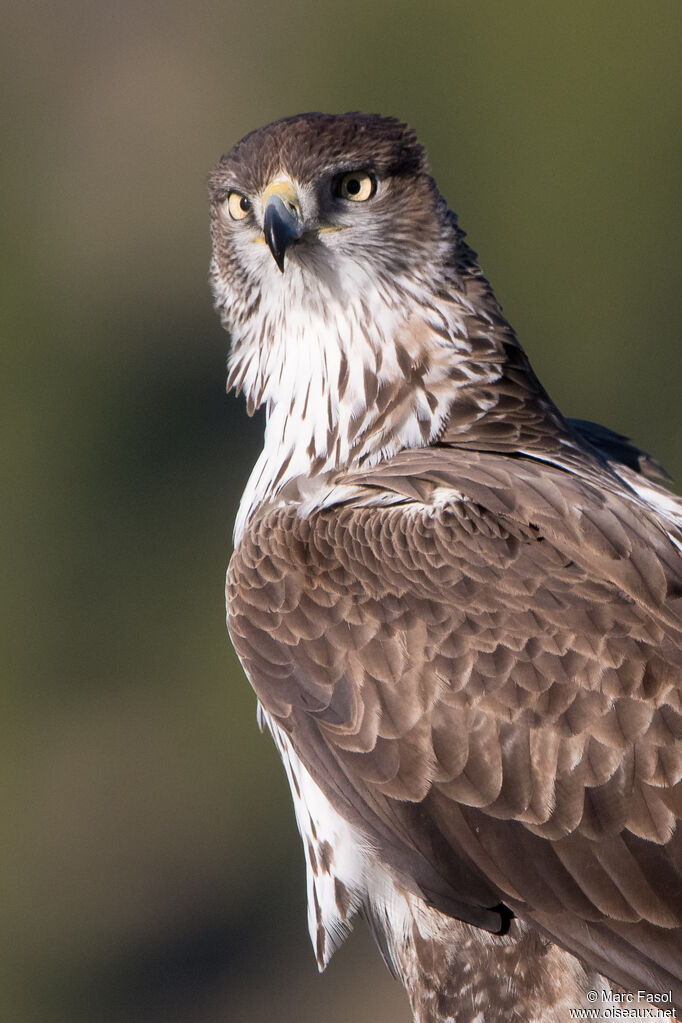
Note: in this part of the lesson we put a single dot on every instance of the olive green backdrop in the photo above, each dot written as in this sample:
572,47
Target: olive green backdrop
149,860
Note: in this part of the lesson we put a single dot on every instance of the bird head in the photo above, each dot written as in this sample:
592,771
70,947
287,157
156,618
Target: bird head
317,206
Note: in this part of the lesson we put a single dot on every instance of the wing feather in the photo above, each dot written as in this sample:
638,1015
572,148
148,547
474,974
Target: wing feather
487,664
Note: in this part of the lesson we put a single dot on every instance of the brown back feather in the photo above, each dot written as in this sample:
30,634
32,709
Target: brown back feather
491,687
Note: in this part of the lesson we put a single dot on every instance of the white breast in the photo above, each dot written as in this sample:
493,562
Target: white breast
343,873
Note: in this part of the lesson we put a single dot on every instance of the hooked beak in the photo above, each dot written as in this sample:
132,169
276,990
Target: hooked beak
282,219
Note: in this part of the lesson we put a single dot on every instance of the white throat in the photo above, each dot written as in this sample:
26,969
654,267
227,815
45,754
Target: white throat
344,383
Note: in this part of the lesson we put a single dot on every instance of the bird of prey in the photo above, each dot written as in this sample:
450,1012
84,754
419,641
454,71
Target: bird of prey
460,611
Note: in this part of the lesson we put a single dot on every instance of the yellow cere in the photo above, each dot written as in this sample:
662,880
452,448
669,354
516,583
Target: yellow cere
285,191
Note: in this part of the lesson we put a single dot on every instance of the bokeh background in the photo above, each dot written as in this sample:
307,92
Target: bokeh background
149,859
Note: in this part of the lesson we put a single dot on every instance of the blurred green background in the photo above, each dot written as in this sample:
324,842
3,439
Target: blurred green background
149,860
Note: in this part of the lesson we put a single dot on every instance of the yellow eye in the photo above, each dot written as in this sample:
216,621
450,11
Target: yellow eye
356,186
238,205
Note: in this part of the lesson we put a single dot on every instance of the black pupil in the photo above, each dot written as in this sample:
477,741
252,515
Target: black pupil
352,186
244,204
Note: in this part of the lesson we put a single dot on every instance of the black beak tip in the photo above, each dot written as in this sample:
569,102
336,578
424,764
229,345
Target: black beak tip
281,227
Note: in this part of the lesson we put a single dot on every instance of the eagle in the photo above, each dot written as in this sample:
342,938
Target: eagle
460,611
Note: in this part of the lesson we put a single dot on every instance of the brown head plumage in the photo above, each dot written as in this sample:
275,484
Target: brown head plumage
307,144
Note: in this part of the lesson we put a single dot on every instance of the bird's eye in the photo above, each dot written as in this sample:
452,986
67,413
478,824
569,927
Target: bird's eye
238,205
356,186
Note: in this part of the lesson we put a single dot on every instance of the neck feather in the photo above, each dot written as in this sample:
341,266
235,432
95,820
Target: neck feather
349,383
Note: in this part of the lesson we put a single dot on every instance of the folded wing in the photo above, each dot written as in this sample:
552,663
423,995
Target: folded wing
479,660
